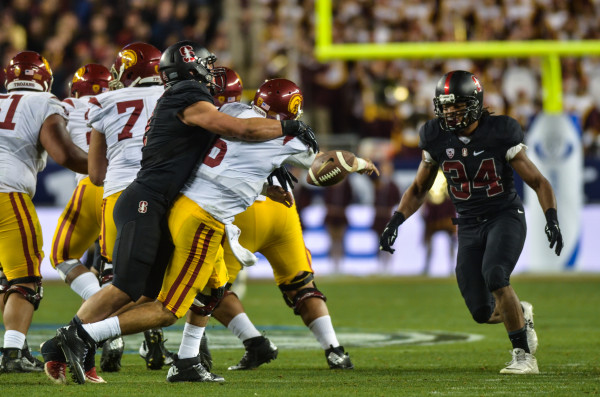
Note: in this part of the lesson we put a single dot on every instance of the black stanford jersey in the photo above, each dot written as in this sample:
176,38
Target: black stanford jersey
172,149
480,179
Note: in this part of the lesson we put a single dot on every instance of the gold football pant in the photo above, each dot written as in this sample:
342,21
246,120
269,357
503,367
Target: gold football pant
198,256
79,224
273,230
20,237
108,231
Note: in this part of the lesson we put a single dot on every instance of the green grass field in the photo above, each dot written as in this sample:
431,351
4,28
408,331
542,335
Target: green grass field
392,328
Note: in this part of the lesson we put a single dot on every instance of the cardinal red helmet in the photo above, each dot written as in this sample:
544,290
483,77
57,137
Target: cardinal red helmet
28,70
91,79
232,91
136,63
279,99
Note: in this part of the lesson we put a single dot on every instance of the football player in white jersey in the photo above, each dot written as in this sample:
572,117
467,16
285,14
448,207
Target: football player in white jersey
79,224
278,236
32,125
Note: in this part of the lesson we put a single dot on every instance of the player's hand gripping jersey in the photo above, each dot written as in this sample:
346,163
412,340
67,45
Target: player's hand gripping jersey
22,114
480,178
122,116
233,173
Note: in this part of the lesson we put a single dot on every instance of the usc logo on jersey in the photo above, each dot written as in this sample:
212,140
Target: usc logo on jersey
128,58
295,104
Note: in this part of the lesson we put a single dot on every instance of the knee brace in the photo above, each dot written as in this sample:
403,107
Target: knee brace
297,282
106,272
482,314
204,304
301,296
3,282
64,268
32,296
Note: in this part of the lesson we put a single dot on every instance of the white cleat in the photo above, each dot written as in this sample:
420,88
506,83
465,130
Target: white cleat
522,363
532,339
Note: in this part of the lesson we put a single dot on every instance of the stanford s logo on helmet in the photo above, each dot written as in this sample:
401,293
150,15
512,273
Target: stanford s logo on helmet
91,79
232,91
188,60
279,99
28,70
458,87
136,64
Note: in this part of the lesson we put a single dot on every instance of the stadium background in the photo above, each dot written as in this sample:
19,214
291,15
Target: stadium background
372,107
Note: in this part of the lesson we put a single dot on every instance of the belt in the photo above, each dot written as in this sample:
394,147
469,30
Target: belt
469,220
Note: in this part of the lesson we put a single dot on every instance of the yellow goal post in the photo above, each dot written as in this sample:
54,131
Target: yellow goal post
549,51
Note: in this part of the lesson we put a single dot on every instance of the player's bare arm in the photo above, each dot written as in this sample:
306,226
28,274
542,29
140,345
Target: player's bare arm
97,162
205,115
410,202
534,179
54,137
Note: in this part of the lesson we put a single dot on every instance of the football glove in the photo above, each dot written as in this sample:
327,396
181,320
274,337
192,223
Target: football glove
302,131
284,177
388,237
553,231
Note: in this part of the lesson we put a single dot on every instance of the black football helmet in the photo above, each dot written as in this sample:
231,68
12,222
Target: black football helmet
454,87
188,60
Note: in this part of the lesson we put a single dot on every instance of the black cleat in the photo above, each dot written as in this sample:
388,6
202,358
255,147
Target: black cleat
337,358
191,370
112,351
19,360
205,356
259,350
157,352
75,349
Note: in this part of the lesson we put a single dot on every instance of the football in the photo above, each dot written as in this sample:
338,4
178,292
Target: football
330,168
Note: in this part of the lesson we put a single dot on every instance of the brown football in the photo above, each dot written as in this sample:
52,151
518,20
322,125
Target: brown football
330,168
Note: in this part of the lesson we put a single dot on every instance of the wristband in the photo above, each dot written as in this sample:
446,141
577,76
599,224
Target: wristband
397,219
289,127
551,216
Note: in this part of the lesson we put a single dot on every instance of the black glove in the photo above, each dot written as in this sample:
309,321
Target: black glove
302,131
553,231
284,177
388,237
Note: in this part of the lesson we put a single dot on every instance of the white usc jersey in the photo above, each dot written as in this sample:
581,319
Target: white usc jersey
234,172
77,125
122,116
22,156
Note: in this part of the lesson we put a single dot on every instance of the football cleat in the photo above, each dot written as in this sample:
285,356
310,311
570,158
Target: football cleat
93,377
156,354
56,370
19,360
75,349
522,363
337,358
259,350
532,340
112,351
205,356
191,370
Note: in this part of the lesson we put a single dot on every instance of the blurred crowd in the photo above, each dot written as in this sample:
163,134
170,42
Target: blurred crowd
360,104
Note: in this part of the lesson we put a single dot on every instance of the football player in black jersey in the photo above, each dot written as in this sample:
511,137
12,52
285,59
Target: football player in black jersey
477,153
183,128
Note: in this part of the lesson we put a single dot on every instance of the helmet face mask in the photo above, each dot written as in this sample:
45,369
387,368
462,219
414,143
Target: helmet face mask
458,100
28,70
187,60
232,88
279,99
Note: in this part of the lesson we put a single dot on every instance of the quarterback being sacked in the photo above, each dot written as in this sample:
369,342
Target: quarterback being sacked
477,153
32,125
278,236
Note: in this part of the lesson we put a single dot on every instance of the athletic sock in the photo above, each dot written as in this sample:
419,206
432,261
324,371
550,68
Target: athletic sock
519,339
85,285
242,327
14,339
104,329
190,342
323,330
